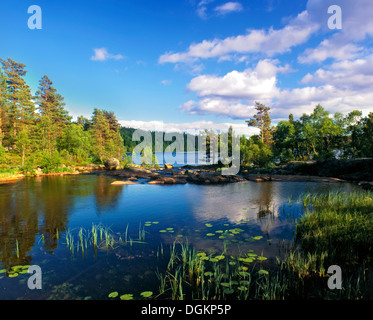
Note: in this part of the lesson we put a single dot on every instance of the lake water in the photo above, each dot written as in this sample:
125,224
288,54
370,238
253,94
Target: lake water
38,214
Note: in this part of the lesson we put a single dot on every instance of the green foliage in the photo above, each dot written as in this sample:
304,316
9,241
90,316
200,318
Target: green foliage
48,138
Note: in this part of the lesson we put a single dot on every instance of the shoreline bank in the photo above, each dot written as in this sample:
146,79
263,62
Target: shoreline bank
294,172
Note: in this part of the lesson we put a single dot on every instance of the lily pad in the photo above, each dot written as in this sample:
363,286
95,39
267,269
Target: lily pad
113,294
257,237
210,234
146,294
224,284
155,222
228,291
162,231
201,254
242,288
244,274
261,258
147,224
263,272
208,274
209,225
169,229
12,275
127,296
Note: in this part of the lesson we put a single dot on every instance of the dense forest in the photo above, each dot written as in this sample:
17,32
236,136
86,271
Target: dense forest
316,136
37,131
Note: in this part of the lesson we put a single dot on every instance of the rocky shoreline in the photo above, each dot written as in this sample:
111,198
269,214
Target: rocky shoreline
333,171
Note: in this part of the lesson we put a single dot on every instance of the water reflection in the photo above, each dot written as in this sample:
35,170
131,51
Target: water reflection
38,210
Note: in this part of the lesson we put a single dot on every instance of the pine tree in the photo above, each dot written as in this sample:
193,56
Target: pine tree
52,115
262,121
20,107
100,133
3,102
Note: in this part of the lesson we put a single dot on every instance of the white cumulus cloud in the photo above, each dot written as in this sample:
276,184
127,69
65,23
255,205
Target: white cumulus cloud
101,54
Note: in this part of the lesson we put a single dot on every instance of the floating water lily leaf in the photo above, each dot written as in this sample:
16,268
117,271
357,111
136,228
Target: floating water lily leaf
87,298
23,271
214,260
146,294
169,229
208,274
228,291
263,272
250,254
226,224
162,230
210,234
127,296
261,258
179,236
209,225
224,284
257,237
244,274
219,231
155,222
113,294
245,282
205,258
232,263
2,270
220,257
12,275
242,288
147,224
201,254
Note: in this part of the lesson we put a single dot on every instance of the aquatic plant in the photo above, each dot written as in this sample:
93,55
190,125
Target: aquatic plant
100,237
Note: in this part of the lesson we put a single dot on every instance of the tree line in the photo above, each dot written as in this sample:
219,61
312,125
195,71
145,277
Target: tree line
315,136
36,129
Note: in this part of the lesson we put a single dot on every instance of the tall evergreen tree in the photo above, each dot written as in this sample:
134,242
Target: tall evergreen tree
3,102
52,115
262,121
20,106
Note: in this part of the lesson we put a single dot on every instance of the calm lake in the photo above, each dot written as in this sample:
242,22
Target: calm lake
47,221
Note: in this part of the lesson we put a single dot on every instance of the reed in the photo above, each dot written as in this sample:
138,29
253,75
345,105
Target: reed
99,237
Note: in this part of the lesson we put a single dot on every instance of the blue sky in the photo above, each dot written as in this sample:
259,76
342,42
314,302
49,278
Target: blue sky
189,64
